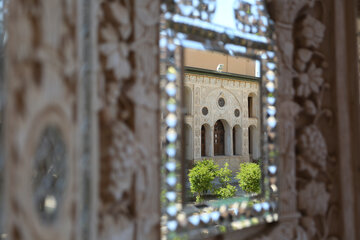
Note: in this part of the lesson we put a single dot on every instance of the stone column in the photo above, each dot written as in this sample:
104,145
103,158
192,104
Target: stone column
197,141
228,141
210,143
256,143
239,141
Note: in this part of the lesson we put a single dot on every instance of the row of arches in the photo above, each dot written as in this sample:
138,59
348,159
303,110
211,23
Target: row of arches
222,140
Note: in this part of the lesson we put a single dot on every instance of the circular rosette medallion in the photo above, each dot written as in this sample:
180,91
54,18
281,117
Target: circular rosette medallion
221,102
205,111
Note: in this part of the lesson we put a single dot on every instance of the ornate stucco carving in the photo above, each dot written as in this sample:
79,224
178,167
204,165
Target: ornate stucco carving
41,90
306,159
128,117
309,184
42,54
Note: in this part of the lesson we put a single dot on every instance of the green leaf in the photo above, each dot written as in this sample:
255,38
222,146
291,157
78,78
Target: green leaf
201,177
249,177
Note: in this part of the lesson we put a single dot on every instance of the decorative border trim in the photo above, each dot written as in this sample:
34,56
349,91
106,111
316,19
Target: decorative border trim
234,214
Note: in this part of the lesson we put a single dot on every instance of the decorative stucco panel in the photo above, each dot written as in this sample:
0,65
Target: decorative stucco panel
235,93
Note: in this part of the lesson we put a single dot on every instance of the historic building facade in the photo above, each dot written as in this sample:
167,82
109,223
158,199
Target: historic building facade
222,117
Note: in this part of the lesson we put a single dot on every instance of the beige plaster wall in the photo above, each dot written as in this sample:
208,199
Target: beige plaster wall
210,60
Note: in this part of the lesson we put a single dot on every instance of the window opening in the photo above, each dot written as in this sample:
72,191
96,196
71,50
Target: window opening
203,141
250,107
219,132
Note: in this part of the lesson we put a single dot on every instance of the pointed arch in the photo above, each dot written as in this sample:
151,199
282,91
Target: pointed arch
206,149
222,138
219,138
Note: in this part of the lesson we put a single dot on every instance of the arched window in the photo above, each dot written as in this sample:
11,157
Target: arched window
237,140
188,100
189,152
251,106
234,141
219,138
205,140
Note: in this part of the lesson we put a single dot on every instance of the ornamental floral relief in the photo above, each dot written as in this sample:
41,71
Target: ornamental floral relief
304,89
127,49
43,59
115,126
313,156
316,191
285,11
128,88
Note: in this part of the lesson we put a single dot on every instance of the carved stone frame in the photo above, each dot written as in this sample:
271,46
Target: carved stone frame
50,80
194,224
296,222
338,108
341,110
138,215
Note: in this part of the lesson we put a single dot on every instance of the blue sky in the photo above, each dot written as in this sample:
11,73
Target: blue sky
224,14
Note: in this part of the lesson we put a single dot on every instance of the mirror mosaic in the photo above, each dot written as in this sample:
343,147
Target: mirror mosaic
218,75
221,134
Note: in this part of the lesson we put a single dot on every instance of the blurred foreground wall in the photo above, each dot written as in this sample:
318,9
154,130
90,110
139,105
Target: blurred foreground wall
85,74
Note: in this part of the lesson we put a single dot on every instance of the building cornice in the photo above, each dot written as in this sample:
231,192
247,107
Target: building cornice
201,71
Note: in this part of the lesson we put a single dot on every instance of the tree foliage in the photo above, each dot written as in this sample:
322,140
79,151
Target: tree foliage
201,177
226,192
249,177
224,175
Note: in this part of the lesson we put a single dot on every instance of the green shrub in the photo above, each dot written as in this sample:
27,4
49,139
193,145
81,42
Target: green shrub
224,175
201,177
222,228
249,177
226,192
